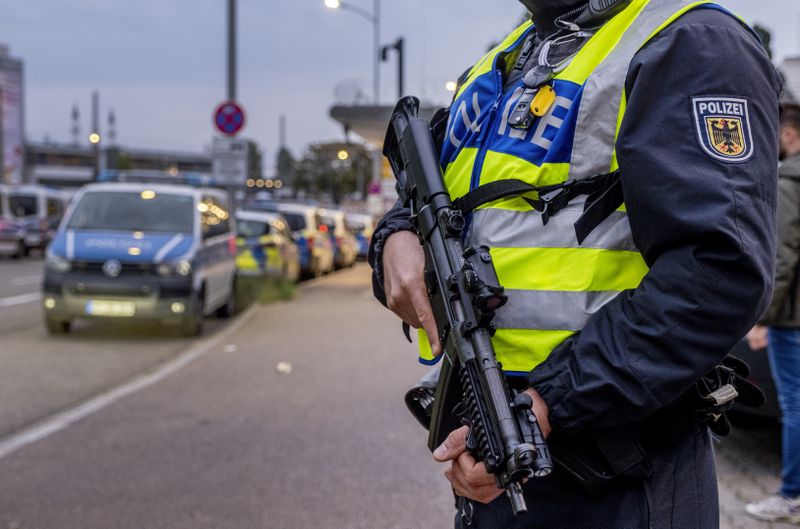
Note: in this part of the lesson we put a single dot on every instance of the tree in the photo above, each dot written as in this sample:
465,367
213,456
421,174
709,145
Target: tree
322,173
254,160
766,37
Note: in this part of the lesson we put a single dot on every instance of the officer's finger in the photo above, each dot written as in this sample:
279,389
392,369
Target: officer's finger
399,302
453,446
472,473
483,491
425,315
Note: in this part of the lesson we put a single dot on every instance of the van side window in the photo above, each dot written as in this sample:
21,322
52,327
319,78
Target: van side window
214,217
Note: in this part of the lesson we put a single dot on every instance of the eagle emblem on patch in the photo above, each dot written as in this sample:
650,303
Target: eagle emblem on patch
723,127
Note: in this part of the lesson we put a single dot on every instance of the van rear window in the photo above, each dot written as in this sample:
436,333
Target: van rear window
252,228
296,221
133,211
22,205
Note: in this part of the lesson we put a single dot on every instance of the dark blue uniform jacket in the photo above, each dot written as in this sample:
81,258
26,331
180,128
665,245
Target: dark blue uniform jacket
704,225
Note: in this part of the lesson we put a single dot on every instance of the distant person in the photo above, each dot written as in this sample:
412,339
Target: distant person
779,329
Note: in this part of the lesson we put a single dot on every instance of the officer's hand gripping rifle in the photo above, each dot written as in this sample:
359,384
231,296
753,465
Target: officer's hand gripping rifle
464,293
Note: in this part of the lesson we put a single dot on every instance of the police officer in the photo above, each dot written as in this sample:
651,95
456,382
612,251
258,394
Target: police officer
609,327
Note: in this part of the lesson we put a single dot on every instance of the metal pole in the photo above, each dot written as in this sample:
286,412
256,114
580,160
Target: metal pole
2,147
377,52
400,46
96,130
232,50
282,131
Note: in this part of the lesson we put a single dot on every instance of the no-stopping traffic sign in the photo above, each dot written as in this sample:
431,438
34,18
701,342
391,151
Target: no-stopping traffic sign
229,118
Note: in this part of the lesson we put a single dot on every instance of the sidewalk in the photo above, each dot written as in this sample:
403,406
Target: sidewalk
748,466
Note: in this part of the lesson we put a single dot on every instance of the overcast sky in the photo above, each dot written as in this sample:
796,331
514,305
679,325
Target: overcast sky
160,64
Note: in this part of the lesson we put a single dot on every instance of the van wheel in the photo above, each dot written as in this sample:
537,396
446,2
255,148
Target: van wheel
229,308
55,326
193,323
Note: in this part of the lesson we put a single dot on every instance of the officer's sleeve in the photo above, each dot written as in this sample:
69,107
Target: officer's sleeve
788,247
705,228
397,219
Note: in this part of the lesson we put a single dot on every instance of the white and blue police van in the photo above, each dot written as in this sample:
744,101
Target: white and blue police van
146,251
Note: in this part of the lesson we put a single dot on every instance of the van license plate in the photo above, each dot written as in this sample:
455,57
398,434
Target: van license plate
113,309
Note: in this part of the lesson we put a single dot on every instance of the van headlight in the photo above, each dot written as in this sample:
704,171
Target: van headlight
58,264
182,268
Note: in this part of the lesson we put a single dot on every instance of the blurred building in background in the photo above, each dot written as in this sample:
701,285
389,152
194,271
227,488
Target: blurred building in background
370,122
69,165
12,118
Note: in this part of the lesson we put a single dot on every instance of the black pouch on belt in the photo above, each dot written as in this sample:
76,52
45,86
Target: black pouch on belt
602,458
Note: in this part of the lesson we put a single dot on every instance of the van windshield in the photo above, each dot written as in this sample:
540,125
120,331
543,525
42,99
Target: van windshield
22,205
133,211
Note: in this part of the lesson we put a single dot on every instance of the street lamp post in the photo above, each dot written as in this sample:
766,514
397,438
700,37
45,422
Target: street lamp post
231,50
373,18
399,47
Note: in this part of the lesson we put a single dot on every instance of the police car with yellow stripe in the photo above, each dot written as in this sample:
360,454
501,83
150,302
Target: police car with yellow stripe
265,246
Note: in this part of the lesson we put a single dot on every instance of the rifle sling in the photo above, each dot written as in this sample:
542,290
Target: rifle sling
604,197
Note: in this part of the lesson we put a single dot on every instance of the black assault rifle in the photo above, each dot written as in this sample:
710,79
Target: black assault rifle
464,293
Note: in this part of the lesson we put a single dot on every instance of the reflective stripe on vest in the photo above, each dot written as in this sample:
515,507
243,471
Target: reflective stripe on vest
554,284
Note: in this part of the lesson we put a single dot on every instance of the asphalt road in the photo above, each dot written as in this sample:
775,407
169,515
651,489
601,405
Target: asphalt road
42,374
229,442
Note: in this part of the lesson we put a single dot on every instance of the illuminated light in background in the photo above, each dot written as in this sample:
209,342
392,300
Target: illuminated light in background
178,308
148,194
49,303
269,184
278,184
333,4
451,86
202,207
134,251
343,155
138,235
251,182
259,183
94,138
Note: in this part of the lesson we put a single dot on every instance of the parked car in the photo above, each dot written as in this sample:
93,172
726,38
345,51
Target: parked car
344,242
362,226
37,210
164,253
265,245
308,229
12,239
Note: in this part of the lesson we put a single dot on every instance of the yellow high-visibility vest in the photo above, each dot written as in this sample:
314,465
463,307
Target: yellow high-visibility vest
553,283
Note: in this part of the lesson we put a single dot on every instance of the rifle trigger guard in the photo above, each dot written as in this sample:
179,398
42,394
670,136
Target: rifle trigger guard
407,332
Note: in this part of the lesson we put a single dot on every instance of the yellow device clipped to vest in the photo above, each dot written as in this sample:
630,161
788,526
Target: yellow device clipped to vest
543,100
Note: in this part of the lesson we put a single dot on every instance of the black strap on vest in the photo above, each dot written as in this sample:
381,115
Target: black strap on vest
604,197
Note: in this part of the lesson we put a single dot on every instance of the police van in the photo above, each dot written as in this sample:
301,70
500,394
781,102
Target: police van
158,252
36,211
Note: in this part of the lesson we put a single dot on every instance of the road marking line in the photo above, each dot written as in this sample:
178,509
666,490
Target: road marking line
28,280
62,420
20,300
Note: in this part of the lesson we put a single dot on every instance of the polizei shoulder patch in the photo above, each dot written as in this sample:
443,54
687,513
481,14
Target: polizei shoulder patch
723,127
